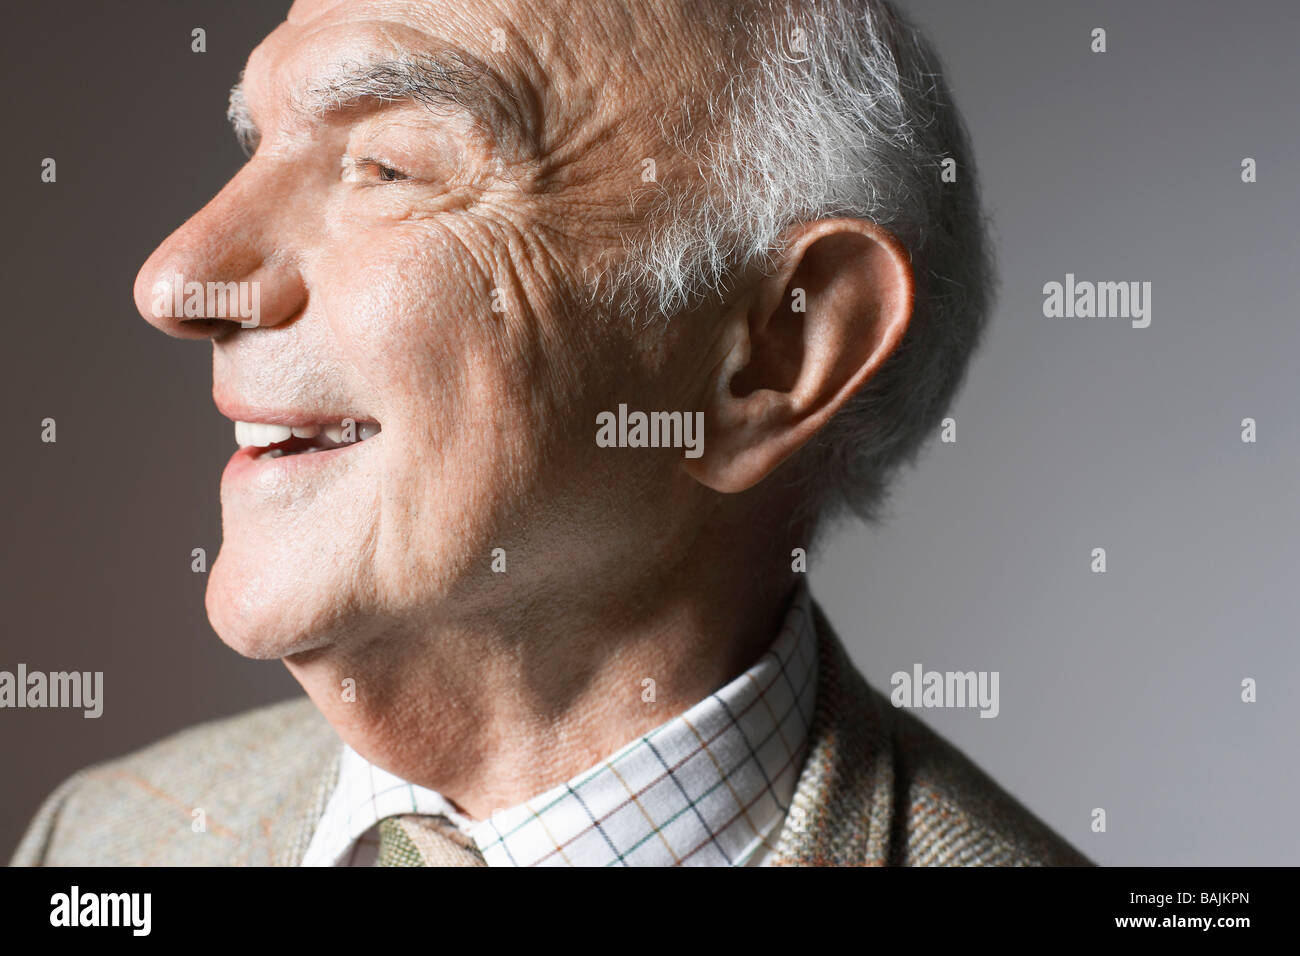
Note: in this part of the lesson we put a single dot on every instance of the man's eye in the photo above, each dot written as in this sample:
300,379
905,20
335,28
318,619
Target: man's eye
369,170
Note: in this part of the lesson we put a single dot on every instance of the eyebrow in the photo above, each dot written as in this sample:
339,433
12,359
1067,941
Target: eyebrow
450,80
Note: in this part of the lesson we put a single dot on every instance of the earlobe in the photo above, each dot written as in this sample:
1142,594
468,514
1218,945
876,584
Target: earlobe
814,333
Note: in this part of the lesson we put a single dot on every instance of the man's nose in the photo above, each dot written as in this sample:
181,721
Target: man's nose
231,266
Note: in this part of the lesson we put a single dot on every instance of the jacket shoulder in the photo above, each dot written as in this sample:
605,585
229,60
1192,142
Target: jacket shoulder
225,792
880,788
948,812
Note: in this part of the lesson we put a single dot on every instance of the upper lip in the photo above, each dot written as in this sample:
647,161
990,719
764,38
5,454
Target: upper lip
240,410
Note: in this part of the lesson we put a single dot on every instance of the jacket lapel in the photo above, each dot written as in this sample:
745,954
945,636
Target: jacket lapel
304,804
842,813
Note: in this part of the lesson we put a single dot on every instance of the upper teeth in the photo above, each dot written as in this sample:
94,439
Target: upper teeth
262,434
257,433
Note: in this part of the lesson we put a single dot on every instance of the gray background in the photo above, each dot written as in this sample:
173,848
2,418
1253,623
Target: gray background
1119,691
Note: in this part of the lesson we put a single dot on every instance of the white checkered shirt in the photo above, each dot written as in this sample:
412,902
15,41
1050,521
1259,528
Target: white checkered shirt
710,787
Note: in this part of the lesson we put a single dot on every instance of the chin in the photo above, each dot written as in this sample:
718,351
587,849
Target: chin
261,618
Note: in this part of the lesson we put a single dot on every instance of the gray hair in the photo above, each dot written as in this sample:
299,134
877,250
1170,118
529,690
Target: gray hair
841,110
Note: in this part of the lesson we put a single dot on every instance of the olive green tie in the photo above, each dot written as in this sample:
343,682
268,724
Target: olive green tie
421,840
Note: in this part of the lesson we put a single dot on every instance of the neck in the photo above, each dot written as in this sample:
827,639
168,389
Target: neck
494,709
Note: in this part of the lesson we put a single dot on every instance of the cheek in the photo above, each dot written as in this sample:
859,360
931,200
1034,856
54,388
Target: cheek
410,310
469,397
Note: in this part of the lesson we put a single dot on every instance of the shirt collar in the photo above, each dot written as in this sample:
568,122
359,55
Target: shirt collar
709,787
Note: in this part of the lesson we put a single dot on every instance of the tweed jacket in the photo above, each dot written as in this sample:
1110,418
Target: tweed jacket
879,788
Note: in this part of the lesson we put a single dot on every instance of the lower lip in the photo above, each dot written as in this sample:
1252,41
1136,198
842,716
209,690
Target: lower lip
247,463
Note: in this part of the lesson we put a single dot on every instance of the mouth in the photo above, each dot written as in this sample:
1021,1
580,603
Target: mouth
264,440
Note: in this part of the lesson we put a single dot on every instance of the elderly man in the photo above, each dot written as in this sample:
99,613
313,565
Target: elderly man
572,324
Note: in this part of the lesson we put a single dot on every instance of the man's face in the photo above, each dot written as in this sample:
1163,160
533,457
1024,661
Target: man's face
421,268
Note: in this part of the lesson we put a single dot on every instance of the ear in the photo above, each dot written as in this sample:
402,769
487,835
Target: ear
800,346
